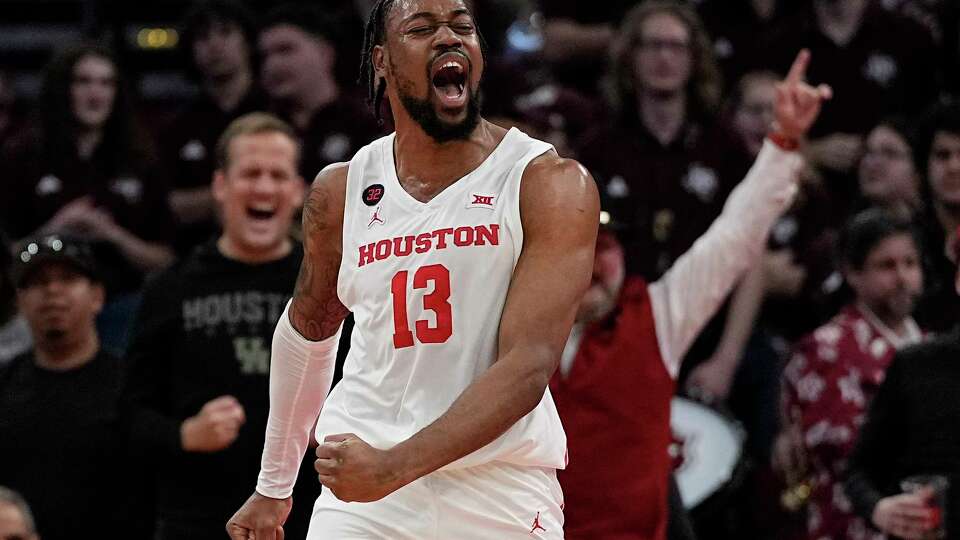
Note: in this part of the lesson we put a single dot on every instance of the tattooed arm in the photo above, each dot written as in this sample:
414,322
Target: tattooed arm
316,311
302,360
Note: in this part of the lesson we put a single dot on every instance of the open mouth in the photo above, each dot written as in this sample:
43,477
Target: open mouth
449,80
260,213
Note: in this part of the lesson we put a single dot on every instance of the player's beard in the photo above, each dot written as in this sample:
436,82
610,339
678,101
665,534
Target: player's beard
423,113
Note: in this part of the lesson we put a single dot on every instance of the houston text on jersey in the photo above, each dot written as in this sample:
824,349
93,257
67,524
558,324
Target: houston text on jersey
402,246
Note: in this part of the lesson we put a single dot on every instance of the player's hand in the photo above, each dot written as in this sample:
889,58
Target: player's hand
905,515
260,518
355,471
215,427
797,104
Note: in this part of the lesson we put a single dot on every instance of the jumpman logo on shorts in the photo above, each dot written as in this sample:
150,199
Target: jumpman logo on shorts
376,219
537,525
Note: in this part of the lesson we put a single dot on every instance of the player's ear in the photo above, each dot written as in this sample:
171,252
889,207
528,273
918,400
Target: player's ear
379,58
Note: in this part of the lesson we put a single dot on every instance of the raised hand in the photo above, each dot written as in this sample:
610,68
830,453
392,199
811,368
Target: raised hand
355,471
797,104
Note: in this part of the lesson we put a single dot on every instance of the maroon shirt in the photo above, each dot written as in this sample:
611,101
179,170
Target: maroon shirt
335,134
828,385
888,67
35,189
735,28
667,196
189,150
615,408
191,141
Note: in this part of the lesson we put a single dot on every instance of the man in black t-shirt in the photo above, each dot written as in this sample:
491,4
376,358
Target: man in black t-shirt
201,353
61,437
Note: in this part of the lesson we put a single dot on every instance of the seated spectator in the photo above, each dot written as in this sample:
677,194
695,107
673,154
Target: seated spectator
16,520
665,162
836,370
297,45
911,429
887,174
618,371
61,435
87,170
873,75
200,357
938,155
14,332
219,42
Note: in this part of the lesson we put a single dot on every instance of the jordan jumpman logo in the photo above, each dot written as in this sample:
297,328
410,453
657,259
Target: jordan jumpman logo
536,524
376,218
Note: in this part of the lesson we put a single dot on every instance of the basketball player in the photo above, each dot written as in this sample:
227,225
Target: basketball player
462,250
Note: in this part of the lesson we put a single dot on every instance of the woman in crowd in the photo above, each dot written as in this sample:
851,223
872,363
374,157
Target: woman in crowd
87,169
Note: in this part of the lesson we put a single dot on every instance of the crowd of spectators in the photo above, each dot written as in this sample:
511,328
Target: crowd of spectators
144,264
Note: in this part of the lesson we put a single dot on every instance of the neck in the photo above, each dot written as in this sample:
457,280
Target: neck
87,141
840,20
302,108
67,352
897,325
228,90
663,114
236,252
425,167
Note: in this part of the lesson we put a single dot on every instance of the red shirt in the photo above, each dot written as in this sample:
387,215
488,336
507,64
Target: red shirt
616,402
828,385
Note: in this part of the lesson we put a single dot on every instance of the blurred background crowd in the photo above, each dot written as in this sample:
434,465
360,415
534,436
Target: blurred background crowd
145,268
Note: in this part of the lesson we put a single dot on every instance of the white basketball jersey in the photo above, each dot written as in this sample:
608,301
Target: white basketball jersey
426,283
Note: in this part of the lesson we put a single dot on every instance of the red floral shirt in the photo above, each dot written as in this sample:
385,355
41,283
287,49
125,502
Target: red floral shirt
828,385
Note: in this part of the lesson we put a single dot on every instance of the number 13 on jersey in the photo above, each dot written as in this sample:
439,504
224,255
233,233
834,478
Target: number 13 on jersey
436,301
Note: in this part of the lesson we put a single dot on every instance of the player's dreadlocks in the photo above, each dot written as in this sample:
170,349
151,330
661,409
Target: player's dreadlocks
374,34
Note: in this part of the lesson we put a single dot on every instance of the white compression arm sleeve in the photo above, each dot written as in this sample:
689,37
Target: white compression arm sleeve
300,375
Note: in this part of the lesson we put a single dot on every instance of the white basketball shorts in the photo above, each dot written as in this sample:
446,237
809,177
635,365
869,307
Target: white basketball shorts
494,501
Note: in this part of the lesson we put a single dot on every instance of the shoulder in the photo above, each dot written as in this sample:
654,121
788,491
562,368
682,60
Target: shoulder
556,191
323,206
563,180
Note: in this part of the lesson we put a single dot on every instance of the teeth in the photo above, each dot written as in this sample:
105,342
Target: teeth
452,64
